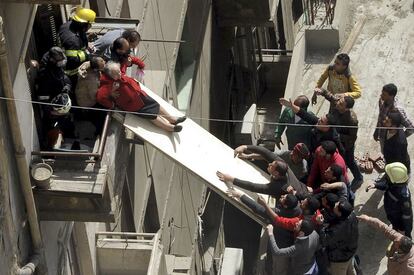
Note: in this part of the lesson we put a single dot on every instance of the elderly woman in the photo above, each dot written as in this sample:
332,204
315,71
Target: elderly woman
125,93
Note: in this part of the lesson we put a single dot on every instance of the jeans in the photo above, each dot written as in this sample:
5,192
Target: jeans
343,268
350,162
313,270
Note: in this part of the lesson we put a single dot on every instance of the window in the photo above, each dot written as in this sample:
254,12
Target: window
184,69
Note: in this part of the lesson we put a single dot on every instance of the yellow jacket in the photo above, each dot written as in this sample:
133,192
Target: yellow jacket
340,83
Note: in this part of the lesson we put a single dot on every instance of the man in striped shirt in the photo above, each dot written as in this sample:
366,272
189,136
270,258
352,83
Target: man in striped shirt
388,103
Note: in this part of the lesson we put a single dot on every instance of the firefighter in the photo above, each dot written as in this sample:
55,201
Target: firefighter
397,197
73,38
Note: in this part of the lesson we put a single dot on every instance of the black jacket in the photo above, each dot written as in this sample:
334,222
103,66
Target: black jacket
51,80
397,204
341,239
317,136
395,149
274,187
73,40
348,136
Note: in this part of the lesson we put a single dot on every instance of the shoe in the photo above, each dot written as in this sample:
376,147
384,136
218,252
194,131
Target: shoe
178,128
75,145
179,120
357,263
355,184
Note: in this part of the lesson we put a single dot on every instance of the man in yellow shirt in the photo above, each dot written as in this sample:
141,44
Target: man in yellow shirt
340,80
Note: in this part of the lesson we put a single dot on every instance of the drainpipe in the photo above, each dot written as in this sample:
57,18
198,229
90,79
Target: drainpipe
22,167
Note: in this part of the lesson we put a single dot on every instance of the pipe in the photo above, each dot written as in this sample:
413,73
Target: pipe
30,267
65,154
6,224
20,152
104,134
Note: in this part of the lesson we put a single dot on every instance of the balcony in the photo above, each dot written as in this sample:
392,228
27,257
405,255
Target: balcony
77,190
244,12
119,253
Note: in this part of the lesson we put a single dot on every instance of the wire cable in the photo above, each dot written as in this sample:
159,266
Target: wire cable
203,118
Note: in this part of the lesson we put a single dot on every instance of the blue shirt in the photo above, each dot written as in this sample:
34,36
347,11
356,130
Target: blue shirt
103,44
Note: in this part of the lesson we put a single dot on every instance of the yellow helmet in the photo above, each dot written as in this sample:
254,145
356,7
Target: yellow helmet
397,172
84,15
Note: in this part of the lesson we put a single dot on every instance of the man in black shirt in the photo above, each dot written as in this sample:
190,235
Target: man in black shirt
395,143
278,169
321,132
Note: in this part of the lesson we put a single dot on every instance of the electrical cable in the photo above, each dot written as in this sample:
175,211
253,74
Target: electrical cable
204,118
107,8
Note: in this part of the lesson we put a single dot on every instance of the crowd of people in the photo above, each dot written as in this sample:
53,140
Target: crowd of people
313,228
92,74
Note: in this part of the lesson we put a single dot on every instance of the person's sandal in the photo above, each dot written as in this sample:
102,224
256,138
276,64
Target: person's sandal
361,164
369,167
180,120
178,128
379,165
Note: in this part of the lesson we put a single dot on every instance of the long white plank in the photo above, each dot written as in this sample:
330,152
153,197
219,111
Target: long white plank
198,151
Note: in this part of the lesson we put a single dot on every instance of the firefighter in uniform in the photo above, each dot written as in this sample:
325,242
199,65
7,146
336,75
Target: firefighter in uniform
397,197
73,39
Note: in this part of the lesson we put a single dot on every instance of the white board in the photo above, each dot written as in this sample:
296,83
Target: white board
198,151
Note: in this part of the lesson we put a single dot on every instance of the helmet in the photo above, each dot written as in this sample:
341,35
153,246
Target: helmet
84,15
397,172
64,100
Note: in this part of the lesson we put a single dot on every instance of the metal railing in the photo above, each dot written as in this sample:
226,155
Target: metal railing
126,237
313,7
97,155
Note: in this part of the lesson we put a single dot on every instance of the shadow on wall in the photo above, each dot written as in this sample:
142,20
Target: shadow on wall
321,45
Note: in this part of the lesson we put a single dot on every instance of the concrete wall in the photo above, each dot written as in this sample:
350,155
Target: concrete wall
15,33
178,195
342,19
17,206
294,81
321,40
164,21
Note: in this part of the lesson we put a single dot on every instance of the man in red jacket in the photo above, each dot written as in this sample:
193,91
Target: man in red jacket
125,93
326,155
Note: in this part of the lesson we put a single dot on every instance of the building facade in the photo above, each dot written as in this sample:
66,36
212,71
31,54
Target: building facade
210,59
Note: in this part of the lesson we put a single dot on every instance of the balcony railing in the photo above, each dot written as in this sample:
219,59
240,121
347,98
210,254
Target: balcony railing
96,155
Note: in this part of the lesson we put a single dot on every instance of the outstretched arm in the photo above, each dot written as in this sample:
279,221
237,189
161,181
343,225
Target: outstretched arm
256,187
136,61
257,208
390,233
310,118
288,251
289,104
269,211
268,188
268,155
